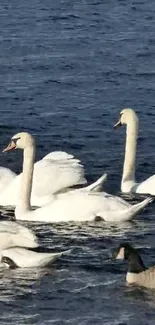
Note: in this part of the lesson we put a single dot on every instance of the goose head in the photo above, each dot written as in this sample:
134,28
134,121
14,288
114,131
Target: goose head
126,252
20,140
127,116
123,251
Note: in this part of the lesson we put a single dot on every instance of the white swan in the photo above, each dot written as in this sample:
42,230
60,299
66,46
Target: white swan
70,206
58,171
16,242
129,118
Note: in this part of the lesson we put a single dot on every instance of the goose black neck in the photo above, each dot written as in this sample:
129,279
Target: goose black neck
136,264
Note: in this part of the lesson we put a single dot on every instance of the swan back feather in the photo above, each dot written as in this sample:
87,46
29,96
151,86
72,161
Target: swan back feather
13,234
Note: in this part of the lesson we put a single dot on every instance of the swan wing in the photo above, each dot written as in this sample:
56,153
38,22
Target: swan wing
52,174
14,234
146,187
59,155
56,171
97,185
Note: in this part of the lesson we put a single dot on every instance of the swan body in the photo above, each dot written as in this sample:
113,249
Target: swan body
24,258
129,118
70,206
83,206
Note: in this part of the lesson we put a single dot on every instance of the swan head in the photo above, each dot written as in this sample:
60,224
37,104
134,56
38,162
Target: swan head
20,140
127,116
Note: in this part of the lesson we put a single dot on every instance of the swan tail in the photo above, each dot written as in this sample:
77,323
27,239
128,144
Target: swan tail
46,259
97,186
136,208
127,214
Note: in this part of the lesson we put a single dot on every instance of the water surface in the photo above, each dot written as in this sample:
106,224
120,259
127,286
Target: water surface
67,68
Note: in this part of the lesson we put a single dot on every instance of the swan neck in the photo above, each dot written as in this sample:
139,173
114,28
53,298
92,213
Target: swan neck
130,151
26,180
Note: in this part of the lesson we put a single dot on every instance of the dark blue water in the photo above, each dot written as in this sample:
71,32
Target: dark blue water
67,68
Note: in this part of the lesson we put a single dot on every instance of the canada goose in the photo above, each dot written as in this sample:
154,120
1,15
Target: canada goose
137,272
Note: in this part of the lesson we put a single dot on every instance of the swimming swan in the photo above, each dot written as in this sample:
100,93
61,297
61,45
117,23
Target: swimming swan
17,247
128,183
70,206
57,171
137,273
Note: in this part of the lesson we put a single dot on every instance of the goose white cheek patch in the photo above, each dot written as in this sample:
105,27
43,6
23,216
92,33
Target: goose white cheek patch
120,255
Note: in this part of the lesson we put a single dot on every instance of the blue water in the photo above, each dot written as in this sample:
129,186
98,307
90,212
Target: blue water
67,68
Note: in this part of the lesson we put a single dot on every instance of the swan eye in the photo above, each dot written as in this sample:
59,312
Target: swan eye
15,140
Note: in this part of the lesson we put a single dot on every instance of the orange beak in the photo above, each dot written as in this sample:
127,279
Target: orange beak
118,124
11,146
